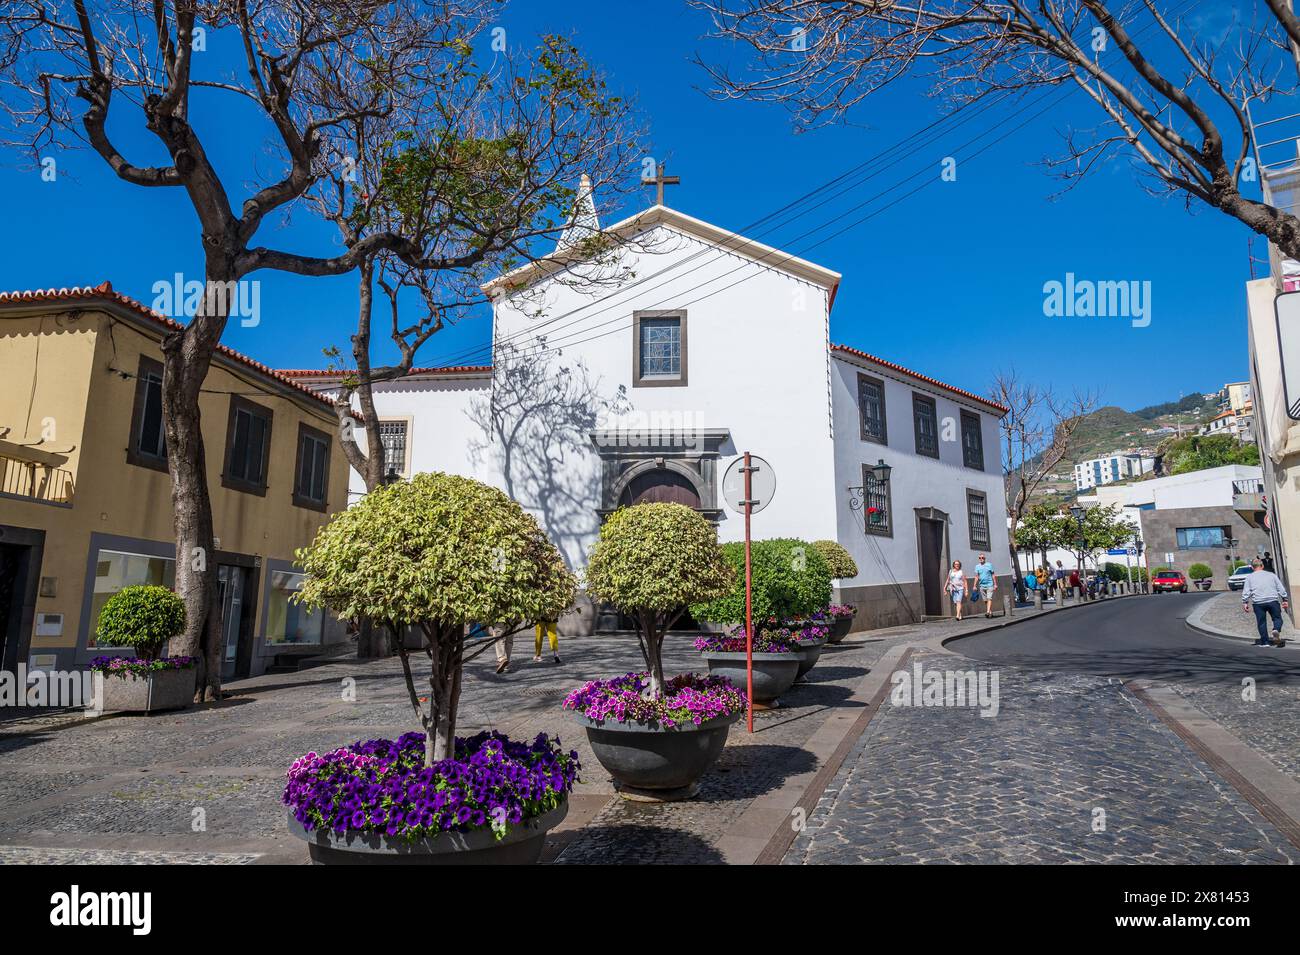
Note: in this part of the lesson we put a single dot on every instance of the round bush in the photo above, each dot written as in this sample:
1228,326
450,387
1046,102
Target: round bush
1199,572
142,617
656,557
791,579
839,560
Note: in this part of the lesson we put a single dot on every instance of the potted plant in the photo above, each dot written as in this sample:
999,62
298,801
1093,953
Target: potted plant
143,618
842,566
790,582
840,619
776,660
433,555
653,735
1202,574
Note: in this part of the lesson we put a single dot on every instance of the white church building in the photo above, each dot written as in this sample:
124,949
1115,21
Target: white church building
643,375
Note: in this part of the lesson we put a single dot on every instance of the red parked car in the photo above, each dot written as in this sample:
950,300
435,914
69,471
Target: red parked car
1169,580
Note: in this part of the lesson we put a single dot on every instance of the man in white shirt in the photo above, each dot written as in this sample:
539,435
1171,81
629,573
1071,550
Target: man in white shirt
1265,595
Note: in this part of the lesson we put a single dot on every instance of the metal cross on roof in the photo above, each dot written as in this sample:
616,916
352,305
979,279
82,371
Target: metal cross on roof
659,180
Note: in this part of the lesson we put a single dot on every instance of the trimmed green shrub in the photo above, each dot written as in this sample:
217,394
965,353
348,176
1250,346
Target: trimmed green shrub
1114,571
142,617
1199,572
651,562
791,579
839,560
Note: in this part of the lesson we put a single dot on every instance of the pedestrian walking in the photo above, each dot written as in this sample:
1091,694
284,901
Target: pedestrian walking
1059,577
1265,595
986,582
504,647
551,631
1268,562
956,586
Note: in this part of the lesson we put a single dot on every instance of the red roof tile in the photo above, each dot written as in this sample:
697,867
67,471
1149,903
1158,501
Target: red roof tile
104,292
449,370
920,377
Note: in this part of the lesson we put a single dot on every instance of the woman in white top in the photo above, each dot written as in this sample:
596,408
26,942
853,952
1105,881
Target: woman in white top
956,586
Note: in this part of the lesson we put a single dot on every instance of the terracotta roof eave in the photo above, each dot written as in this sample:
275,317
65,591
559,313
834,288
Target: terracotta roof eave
970,396
323,375
105,293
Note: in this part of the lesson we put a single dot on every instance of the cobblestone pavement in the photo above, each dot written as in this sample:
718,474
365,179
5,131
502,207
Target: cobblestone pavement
1266,718
1223,612
204,785
1029,785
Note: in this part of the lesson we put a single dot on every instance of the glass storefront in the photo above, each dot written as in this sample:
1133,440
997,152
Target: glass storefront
117,569
288,622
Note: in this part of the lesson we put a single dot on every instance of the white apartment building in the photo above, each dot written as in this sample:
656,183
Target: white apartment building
1116,466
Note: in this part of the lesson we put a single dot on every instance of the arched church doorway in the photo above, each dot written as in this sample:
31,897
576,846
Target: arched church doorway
660,486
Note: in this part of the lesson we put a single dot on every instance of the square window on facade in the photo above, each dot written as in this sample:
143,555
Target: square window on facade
659,339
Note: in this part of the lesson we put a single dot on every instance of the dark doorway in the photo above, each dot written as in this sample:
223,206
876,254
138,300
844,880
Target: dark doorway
20,568
660,486
237,597
930,534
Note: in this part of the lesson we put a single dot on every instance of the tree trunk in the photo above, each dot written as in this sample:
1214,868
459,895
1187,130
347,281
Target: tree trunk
444,692
655,653
369,465
187,355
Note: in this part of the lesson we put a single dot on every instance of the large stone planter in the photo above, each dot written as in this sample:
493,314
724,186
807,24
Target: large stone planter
774,673
653,764
522,845
810,652
840,627
148,693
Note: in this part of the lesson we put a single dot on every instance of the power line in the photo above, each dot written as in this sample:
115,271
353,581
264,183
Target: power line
569,340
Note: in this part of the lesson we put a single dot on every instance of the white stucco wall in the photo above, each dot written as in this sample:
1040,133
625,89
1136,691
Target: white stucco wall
756,365
917,481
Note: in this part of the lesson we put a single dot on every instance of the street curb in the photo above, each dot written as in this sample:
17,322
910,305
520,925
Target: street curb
1275,794
763,834
1194,622
1013,619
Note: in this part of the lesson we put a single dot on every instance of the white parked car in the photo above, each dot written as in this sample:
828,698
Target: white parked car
1237,580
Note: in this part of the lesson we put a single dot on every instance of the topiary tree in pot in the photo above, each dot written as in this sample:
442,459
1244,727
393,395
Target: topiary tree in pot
436,553
840,561
143,618
1202,574
651,562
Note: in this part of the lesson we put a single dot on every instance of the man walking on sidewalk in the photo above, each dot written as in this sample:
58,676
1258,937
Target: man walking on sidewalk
986,583
1265,595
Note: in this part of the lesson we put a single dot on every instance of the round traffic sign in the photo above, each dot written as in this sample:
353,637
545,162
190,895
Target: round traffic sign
762,484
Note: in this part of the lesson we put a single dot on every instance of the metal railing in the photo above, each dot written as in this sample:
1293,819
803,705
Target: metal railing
1249,486
40,482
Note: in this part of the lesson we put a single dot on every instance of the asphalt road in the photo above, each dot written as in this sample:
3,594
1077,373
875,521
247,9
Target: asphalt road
1132,638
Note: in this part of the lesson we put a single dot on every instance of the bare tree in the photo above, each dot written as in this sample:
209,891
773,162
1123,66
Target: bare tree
1176,101
540,135
313,69
1037,432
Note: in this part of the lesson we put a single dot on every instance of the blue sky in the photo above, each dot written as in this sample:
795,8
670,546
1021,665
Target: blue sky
948,281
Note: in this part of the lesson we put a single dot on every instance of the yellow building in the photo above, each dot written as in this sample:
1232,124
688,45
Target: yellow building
85,498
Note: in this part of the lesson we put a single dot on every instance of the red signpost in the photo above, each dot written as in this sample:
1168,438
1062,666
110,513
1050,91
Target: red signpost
749,585
738,490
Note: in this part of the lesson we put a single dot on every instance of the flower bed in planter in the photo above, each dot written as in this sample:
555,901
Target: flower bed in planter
377,803
657,748
810,639
841,620
137,685
776,662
